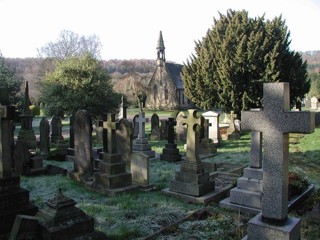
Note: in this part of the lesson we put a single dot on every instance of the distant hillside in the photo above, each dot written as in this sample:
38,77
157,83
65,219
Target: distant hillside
313,60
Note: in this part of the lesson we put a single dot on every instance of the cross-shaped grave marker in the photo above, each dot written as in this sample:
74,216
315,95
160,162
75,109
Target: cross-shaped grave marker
171,123
110,125
275,121
192,122
141,120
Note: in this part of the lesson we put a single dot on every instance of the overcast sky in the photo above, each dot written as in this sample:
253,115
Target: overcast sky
129,29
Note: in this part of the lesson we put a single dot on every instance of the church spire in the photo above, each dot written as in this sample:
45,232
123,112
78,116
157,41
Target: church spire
160,51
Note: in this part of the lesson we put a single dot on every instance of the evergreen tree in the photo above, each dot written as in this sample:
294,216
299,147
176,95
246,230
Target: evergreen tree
79,83
237,55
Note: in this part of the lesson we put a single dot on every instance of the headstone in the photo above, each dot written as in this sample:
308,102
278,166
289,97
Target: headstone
206,145
83,161
163,129
247,196
307,103
181,129
44,137
123,108
314,103
135,126
56,129
25,227
232,131
13,199
141,143
124,136
61,219
140,169
70,149
192,179
26,132
155,134
214,133
155,121
275,121
111,176
170,153
99,130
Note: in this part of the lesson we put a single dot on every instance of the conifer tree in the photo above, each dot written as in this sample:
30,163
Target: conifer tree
239,54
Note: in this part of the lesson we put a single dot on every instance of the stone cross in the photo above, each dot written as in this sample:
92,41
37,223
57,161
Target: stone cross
141,121
206,126
193,134
171,123
275,121
111,126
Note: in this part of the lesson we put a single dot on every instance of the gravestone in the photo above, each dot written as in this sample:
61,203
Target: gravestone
214,133
135,126
155,121
232,131
155,134
13,199
163,129
141,143
314,103
56,129
99,130
26,132
170,153
307,103
124,136
206,145
70,149
192,180
140,170
275,121
112,176
247,196
83,161
44,137
60,219
181,129
123,108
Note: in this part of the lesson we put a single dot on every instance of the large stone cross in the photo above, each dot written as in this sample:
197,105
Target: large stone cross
193,134
141,121
110,125
275,121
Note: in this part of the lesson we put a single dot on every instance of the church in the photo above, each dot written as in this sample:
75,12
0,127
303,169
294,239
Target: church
166,90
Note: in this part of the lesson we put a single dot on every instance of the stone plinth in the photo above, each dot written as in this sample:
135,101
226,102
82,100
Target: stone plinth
141,145
170,153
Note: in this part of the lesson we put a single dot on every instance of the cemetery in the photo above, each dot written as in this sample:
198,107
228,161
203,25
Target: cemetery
103,187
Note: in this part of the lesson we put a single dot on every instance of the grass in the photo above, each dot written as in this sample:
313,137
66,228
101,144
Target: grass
138,214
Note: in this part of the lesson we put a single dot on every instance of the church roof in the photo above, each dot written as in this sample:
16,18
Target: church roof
174,70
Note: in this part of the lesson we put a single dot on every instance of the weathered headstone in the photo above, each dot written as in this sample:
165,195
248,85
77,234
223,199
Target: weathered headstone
140,169
192,179
99,130
163,129
124,135
25,227
44,137
56,129
275,121
141,143
232,131
206,145
70,149
112,176
247,196
314,103
181,129
62,220
83,161
170,153
13,199
214,133
26,132
155,121
123,108
135,126
307,102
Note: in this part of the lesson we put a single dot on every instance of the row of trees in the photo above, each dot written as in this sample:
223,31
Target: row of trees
236,56
231,62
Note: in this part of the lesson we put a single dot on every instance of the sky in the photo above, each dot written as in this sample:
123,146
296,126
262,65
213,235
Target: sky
129,29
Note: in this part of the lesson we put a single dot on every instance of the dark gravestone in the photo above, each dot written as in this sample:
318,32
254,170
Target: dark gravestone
124,135
70,149
13,199
62,220
192,179
44,137
170,153
154,121
135,126
275,121
26,132
83,161
163,129
25,227
56,129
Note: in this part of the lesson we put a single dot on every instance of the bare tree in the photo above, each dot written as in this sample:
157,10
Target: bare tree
70,44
